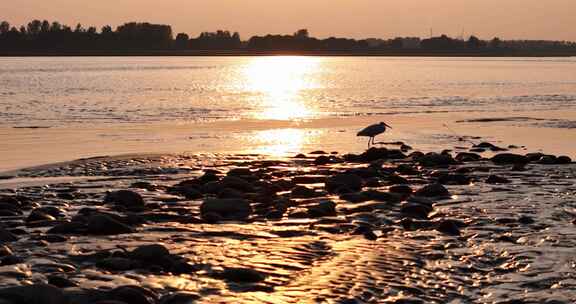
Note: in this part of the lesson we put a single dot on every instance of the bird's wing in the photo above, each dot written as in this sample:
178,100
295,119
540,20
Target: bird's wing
369,131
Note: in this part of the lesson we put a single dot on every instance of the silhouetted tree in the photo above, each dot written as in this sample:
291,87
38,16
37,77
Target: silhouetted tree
495,43
182,41
4,27
474,43
302,34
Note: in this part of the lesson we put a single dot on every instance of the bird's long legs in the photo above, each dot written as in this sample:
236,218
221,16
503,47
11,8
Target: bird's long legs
370,140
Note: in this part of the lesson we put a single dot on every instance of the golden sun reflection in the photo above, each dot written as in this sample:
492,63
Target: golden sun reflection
280,81
281,142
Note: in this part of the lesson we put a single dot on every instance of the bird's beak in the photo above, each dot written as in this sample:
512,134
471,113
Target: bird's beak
387,125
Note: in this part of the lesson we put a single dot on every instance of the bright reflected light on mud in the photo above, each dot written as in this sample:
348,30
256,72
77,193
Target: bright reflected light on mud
280,142
280,81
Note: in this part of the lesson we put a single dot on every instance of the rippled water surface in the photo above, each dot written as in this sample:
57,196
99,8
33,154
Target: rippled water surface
95,90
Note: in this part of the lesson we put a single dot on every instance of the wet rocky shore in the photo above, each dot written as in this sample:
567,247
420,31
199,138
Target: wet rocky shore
480,224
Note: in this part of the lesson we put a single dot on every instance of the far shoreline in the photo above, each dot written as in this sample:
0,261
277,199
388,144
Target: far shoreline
335,53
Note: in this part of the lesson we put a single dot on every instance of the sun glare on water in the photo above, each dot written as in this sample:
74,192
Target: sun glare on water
281,142
280,81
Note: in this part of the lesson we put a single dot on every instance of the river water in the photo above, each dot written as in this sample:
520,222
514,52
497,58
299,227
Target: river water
86,106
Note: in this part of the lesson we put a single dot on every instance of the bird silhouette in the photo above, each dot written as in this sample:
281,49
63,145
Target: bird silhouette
373,130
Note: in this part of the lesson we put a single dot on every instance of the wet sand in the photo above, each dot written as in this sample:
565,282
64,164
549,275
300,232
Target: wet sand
381,226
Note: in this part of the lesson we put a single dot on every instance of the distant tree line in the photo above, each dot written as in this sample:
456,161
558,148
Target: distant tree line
53,36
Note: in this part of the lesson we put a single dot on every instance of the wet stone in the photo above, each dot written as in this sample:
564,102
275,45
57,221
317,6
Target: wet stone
226,209
242,275
347,181
322,160
324,208
152,252
125,198
33,294
6,236
100,224
509,158
304,192
179,298
133,295
401,189
449,227
433,190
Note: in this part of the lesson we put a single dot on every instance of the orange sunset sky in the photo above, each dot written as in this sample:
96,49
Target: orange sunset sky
509,19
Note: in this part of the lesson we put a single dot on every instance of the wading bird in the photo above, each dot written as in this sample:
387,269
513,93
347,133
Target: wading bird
373,130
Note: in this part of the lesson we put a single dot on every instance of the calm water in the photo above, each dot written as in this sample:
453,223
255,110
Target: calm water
59,92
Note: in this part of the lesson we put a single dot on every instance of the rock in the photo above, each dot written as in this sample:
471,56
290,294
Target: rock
68,228
144,185
534,157
226,209
467,157
322,160
563,160
237,183
300,155
324,208
125,198
395,179
230,193
433,190
100,224
434,160
454,179
509,158
11,260
449,227
373,154
37,216
5,251
526,220
303,192
491,147
154,252
401,189
6,236
547,160
60,281
381,196
242,275
33,294
115,264
133,295
495,179
53,238
179,298
347,181
354,197
415,210
190,193
308,179
239,172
